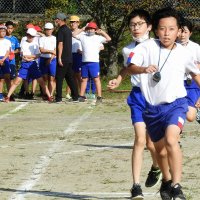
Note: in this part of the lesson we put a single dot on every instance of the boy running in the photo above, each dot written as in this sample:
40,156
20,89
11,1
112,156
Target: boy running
139,22
193,90
162,64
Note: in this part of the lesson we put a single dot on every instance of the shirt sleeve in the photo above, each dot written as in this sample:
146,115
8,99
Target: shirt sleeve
136,57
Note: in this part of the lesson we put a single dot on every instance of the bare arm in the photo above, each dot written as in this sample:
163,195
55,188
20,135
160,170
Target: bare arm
6,56
104,34
60,50
46,51
134,69
114,83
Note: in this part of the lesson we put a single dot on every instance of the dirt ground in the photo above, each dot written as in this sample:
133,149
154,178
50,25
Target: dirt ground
78,151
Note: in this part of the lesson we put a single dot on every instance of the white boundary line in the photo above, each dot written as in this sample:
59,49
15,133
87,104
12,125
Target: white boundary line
21,106
44,160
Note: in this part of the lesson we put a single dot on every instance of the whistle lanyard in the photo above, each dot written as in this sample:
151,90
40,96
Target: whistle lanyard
166,58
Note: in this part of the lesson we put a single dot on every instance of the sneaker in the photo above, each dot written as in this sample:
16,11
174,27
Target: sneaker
136,192
68,96
73,100
6,100
99,100
165,190
82,99
177,192
198,115
1,97
87,95
93,96
12,98
153,177
50,99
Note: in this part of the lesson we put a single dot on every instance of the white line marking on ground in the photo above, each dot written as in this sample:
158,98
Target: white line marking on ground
21,106
95,149
44,160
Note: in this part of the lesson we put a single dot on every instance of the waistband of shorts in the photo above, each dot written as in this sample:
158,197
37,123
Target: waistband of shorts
162,106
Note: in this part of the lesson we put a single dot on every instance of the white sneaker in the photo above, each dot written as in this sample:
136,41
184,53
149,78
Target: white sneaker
68,96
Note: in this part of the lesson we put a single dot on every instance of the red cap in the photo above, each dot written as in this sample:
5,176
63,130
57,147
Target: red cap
30,26
37,28
92,25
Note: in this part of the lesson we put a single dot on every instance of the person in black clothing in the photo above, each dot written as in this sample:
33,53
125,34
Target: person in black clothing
64,58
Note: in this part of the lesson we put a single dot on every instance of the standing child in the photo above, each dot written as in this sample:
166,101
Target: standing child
47,62
162,65
139,22
14,48
91,43
193,90
5,47
29,68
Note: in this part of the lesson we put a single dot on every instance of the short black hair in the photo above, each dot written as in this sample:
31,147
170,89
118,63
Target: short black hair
142,14
187,23
9,23
163,13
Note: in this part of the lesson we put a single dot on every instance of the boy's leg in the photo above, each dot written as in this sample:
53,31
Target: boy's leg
83,86
52,85
44,86
98,86
154,175
191,114
7,81
16,82
138,148
174,152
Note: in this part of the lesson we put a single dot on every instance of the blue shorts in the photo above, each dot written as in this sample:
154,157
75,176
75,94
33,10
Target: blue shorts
137,104
47,69
77,62
158,118
193,94
29,70
90,69
5,69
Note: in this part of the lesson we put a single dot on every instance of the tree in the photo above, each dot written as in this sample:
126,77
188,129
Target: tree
112,17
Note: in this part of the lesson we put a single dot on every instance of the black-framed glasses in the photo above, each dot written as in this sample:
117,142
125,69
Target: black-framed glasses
138,24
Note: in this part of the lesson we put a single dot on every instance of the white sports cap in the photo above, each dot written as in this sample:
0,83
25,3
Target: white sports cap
32,32
48,26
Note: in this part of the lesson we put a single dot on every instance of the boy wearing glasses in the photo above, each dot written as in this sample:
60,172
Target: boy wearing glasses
139,22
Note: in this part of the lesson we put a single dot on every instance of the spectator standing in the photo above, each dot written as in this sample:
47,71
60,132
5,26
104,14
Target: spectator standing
64,59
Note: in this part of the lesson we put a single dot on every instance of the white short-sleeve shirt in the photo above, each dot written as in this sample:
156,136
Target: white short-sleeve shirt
90,47
48,43
5,45
76,44
29,48
171,86
135,81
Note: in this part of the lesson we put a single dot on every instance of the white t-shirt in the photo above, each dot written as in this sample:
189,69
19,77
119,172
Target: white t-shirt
91,47
76,44
29,48
126,52
48,43
194,49
5,45
171,86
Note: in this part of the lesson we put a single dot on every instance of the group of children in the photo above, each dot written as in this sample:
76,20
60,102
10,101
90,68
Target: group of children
164,94
38,59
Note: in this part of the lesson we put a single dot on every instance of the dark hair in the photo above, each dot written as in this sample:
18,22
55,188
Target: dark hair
187,23
9,23
164,13
142,14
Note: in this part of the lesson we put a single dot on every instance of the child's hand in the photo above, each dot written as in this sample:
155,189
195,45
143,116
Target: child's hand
1,62
150,69
198,103
112,84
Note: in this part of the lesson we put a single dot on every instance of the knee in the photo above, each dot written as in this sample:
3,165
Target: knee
140,142
150,146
